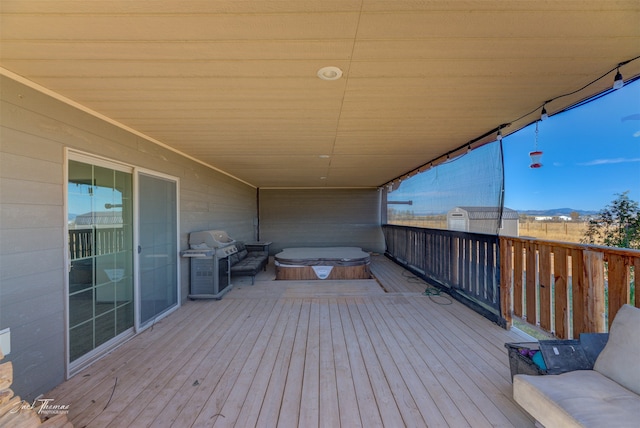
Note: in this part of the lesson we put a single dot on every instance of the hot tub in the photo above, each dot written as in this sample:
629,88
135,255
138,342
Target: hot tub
322,263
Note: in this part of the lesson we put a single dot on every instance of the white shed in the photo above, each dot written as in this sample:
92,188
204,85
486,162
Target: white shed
483,220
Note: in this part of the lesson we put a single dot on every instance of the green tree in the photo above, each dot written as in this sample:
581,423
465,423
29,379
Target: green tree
617,225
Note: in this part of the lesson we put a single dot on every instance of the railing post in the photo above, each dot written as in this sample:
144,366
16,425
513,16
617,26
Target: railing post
561,292
594,291
531,284
455,260
506,281
617,285
636,273
518,269
544,263
578,292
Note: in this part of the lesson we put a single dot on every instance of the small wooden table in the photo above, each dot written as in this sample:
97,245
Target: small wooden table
258,246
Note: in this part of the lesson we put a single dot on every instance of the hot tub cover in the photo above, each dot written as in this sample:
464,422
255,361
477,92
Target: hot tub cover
322,256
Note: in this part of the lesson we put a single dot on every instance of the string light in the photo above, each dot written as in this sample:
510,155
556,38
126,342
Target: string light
618,82
543,113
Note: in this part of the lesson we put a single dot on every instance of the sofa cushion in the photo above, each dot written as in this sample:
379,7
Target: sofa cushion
247,266
244,270
262,255
581,398
619,358
242,254
234,258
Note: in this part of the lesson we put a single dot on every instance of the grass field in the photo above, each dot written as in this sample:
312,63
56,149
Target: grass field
554,231
564,231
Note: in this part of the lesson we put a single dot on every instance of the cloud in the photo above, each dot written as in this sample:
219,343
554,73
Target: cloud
631,117
636,134
609,161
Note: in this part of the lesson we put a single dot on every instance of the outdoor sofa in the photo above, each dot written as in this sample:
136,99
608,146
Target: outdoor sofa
606,396
248,263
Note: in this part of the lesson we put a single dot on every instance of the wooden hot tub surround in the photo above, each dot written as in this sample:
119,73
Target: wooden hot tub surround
308,263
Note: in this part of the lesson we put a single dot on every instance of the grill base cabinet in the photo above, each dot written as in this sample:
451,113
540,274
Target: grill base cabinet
210,277
210,264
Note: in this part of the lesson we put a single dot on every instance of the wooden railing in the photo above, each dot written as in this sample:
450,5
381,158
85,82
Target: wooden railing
465,264
95,242
566,289
561,288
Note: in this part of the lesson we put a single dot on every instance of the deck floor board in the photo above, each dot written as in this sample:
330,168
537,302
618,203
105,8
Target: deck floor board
364,353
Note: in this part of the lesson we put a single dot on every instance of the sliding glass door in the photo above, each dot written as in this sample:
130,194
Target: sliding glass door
158,244
101,280
122,253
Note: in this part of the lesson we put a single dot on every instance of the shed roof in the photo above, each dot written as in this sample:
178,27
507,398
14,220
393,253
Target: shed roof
489,213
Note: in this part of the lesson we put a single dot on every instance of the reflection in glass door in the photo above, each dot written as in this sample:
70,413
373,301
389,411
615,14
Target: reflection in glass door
158,246
100,213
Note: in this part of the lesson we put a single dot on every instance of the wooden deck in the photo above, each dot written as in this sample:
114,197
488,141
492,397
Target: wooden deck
364,353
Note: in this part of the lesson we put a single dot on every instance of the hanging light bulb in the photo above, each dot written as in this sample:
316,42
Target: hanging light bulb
618,81
543,113
499,136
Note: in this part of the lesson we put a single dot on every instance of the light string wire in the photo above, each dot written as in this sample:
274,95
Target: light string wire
447,156
594,81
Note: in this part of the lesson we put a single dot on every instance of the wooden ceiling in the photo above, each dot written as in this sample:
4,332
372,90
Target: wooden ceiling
233,83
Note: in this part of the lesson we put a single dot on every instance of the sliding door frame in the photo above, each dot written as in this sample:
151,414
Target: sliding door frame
136,245
76,366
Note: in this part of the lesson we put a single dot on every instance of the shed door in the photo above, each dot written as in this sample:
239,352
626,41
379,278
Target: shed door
457,222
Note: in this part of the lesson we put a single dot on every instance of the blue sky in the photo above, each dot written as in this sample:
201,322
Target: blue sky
591,153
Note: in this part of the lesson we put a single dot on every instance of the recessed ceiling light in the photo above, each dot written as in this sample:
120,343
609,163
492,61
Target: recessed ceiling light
323,178
330,73
324,156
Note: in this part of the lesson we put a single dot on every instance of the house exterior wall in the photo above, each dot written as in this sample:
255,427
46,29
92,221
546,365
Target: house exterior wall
321,218
35,129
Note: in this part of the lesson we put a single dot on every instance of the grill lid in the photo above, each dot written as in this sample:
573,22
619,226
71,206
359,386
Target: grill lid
209,239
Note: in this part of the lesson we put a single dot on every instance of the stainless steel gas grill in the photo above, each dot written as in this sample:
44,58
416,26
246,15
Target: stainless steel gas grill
209,253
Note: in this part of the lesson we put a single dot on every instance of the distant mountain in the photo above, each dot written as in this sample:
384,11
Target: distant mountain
547,213
557,212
